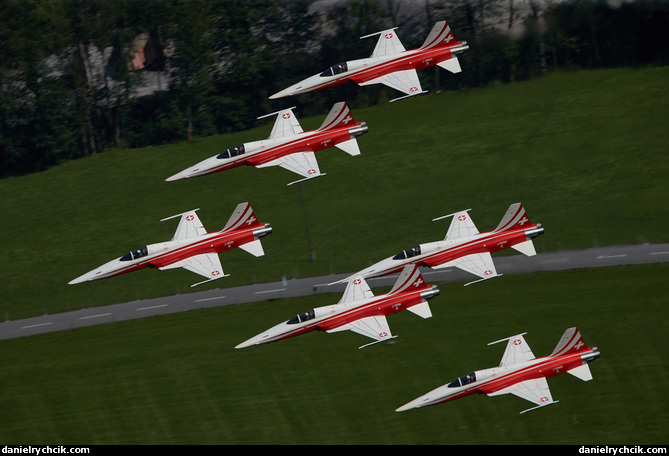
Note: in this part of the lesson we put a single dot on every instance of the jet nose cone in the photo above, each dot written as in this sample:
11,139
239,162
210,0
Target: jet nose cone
405,407
77,280
83,278
281,94
177,176
248,343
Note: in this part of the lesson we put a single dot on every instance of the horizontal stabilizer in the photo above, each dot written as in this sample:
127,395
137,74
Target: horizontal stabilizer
350,147
253,247
452,65
526,248
422,310
582,372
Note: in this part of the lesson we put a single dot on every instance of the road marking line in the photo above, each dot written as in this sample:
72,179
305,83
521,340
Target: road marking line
612,256
659,253
35,326
269,291
151,307
210,299
95,316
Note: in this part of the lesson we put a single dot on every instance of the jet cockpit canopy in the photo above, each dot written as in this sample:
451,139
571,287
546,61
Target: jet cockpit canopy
302,317
408,253
335,69
232,152
134,254
462,381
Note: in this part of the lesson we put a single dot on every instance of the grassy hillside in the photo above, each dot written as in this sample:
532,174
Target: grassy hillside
585,152
177,379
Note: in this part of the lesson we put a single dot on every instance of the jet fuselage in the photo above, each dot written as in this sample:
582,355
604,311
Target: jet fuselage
257,153
328,318
164,254
434,254
488,381
364,70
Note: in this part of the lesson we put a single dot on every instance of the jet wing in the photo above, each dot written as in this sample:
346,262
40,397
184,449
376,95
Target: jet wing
388,43
479,264
517,350
286,124
356,290
190,226
535,391
207,265
302,163
462,226
374,327
406,81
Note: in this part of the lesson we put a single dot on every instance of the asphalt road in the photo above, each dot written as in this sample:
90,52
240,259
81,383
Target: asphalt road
515,264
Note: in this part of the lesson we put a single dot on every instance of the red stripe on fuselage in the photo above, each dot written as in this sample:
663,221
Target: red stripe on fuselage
383,305
217,243
493,242
416,59
314,141
545,367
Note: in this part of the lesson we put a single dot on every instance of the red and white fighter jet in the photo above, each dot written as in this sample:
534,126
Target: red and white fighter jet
358,310
191,248
464,247
519,373
390,64
288,146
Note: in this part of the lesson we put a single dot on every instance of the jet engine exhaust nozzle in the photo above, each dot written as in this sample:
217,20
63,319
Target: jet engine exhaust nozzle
359,130
262,231
591,355
431,293
534,232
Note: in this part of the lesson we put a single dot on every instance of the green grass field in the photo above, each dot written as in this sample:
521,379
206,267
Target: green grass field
586,154
177,379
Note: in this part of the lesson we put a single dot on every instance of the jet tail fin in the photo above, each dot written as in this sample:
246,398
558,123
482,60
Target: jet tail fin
440,35
570,342
526,248
243,216
452,65
409,278
350,147
339,116
514,217
582,372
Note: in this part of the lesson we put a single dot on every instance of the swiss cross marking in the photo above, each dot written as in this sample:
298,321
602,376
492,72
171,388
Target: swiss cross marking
189,218
250,220
544,399
449,38
522,221
388,36
383,334
418,282
413,89
347,119
286,116
357,282
517,342
462,218
215,273
488,272
579,344
312,171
